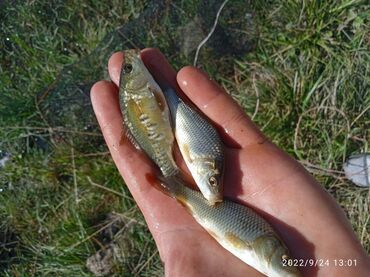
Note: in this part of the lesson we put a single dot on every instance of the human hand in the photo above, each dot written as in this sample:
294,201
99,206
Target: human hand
257,173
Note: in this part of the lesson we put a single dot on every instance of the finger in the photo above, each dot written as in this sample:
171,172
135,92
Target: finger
134,166
114,67
159,67
215,103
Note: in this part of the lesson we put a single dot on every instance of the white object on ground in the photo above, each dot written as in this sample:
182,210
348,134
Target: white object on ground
357,169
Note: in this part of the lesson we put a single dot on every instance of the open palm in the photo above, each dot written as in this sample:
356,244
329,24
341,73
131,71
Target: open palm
258,174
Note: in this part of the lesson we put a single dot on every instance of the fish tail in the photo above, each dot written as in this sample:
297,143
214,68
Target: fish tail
172,185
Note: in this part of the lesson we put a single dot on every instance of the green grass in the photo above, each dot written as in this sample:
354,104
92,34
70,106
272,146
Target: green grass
306,84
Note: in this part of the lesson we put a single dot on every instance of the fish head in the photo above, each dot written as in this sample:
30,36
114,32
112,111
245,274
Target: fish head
282,264
209,179
271,249
134,74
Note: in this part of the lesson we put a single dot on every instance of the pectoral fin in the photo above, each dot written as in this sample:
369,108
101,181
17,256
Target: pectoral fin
126,136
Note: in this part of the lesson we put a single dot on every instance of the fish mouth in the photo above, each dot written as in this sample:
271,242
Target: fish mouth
214,198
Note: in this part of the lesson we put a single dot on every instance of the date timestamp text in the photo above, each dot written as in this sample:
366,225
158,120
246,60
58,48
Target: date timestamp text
320,262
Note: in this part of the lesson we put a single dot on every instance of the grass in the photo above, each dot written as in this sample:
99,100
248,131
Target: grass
306,84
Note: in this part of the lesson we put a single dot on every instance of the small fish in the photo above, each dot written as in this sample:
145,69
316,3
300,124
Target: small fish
145,113
200,146
237,228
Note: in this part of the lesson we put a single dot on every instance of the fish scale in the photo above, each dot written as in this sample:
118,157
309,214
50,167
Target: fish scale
200,146
237,228
236,218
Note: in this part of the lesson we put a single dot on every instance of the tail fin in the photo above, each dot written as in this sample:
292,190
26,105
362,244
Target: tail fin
171,185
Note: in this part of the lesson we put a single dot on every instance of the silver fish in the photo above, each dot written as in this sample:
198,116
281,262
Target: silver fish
237,228
200,146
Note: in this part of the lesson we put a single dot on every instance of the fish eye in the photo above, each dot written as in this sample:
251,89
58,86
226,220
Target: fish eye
127,68
212,181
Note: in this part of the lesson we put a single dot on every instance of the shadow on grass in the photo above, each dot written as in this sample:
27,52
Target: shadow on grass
9,246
